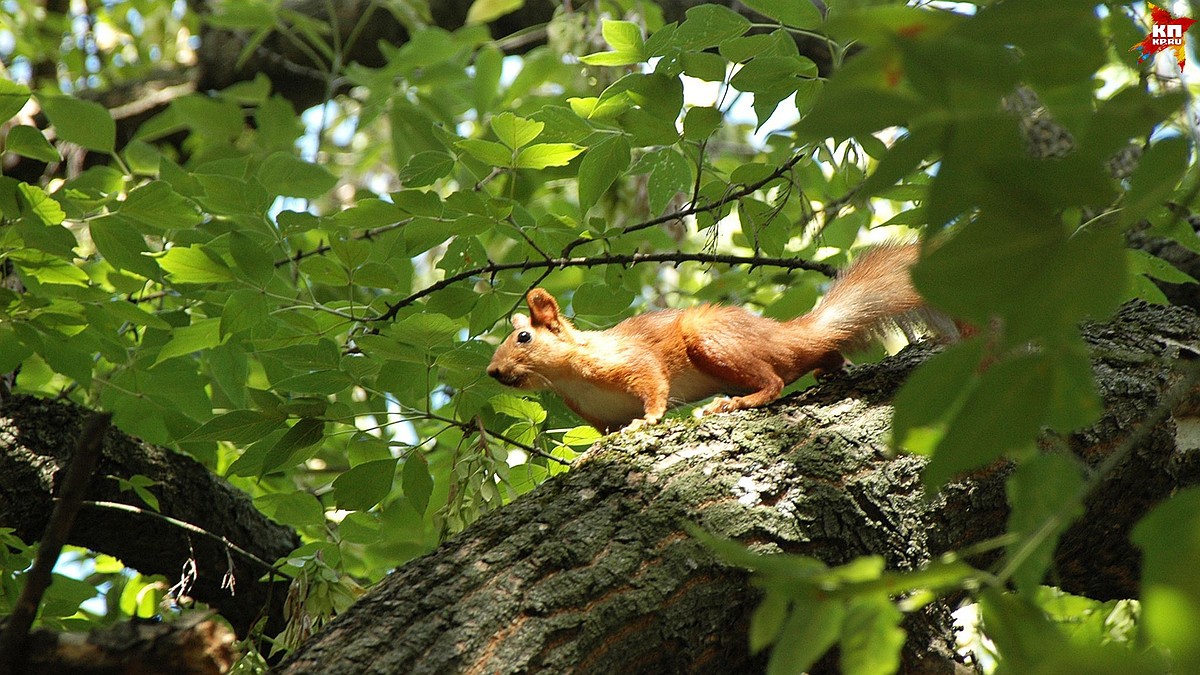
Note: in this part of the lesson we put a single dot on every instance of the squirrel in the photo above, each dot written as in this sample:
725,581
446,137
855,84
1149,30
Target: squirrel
629,375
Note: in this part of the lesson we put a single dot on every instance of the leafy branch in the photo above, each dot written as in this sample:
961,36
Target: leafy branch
745,191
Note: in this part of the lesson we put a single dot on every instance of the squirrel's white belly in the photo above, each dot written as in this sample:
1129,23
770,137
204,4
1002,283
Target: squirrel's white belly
693,385
621,407
607,404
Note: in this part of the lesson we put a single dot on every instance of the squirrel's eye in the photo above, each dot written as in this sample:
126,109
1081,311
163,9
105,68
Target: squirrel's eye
524,336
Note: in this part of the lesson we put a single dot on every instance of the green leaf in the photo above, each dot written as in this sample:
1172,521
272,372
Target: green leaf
1143,262
416,482
41,204
700,122
159,208
810,630
775,74
214,118
142,157
233,196
1028,642
611,59
237,426
367,213
251,261
425,330
707,26
48,269
242,15
623,36
297,508
518,408
363,486
860,101
871,637
140,486
905,155
127,311
284,174
192,265
490,152
485,11
200,335
489,66
1155,178
1169,537
71,356
671,175
1074,401
1026,271
29,142
291,448
12,350
13,97
424,168
598,299
515,132
81,122
64,596
1003,413
542,155
600,168
323,382
767,621
1045,495
791,13
119,241
581,436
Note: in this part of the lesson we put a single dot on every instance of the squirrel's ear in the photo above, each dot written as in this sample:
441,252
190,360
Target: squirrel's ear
543,308
520,322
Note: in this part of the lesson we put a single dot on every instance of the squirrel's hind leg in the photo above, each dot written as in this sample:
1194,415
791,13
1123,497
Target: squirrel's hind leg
740,371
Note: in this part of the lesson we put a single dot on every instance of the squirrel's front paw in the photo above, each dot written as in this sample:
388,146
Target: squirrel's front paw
642,422
717,405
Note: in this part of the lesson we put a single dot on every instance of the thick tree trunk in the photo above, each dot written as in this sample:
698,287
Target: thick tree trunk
594,572
36,441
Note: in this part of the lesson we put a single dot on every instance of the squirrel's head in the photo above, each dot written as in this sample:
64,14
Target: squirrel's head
541,345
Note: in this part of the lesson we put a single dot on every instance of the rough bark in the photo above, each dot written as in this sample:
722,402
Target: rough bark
194,645
36,438
593,572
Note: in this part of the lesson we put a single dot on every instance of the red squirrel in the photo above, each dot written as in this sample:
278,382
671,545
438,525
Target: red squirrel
630,374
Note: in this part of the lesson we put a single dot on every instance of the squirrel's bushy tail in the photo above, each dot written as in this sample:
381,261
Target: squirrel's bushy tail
873,294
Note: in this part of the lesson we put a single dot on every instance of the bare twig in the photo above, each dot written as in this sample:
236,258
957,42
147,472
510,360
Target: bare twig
594,261
188,527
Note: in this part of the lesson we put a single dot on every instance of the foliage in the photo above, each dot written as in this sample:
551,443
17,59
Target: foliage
307,304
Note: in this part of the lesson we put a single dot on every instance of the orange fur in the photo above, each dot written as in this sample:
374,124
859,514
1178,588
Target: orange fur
630,374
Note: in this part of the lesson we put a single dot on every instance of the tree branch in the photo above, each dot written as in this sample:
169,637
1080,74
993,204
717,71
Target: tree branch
623,259
74,484
35,442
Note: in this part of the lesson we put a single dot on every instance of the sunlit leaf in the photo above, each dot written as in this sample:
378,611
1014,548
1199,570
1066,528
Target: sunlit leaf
83,122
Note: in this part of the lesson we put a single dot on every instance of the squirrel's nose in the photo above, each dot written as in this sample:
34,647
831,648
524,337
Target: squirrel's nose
494,371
